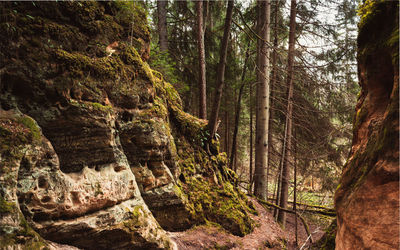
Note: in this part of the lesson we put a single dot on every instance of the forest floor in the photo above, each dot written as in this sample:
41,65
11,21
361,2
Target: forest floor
267,235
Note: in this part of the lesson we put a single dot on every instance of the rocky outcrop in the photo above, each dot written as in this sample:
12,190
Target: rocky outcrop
96,151
367,199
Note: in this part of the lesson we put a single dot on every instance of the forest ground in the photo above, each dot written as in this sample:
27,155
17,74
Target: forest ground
267,235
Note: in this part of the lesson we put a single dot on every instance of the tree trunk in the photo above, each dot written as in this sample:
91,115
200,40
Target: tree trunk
251,176
202,62
226,119
272,92
162,24
212,125
289,113
279,175
206,14
295,188
262,112
237,114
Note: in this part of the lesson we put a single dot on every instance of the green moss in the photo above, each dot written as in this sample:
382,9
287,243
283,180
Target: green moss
137,220
101,107
5,206
80,65
367,10
134,15
221,204
31,125
376,35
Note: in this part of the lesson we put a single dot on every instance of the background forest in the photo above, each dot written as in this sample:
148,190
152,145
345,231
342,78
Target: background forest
324,78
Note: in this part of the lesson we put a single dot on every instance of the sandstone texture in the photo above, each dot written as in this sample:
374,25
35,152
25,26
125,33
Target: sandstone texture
367,199
95,150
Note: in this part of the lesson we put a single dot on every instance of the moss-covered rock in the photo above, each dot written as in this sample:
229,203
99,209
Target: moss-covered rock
99,117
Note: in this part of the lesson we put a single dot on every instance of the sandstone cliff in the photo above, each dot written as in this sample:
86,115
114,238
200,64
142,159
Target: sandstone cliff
95,149
367,199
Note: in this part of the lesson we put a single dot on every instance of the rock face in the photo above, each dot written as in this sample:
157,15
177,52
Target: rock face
95,149
367,200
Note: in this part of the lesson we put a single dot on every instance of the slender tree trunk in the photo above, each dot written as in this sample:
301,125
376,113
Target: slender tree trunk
295,188
238,106
289,113
202,62
206,14
162,24
272,94
212,125
279,175
251,176
262,112
226,121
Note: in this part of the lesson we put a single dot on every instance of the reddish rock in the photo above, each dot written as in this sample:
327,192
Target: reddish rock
367,199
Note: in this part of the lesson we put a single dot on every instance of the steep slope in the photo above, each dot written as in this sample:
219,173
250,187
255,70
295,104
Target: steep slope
367,199
96,151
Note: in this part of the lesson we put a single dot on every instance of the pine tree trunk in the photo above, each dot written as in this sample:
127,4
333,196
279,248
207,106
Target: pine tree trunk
162,25
212,125
237,113
226,121
272,92
289,113
202,62
251,176
262,112
295,189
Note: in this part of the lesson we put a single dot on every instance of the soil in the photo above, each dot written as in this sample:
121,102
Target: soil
267,235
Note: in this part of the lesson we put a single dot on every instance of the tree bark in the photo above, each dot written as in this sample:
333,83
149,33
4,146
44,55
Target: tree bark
262,112
237,113
202,62
272,92
289,114
251,176
162,24
212,125
295,189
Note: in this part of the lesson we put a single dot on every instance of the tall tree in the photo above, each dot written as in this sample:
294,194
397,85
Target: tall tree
237,113
262,112
273,84
162,24
202,62
287,160
251,175
213,121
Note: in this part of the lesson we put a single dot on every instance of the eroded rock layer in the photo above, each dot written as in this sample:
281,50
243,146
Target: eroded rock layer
367,199
95,149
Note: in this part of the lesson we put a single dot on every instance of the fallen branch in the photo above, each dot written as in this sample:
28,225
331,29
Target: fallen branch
306,227
319,209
